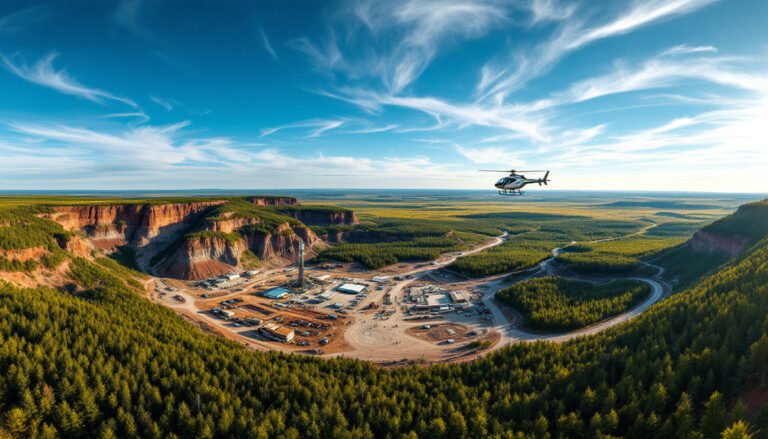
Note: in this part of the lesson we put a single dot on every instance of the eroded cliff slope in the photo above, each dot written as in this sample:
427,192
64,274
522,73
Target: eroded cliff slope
199,239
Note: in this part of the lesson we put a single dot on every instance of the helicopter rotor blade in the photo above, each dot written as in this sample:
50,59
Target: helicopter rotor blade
511,171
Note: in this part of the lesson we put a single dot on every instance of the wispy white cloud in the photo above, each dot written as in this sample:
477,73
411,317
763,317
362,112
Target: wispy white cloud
141,116
716,137
543,11
683,49
658,72
575,35
162,102
78,155
18,20
43,73
265,42
492,154
127,14
330,125
320,125
513,118
373,129
421,29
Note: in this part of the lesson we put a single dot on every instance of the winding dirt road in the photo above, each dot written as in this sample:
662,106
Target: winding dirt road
387,340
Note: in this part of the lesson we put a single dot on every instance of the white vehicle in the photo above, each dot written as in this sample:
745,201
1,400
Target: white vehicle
514,182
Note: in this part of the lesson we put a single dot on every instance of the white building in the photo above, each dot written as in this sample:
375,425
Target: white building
322,278
351,288
325,295
231,276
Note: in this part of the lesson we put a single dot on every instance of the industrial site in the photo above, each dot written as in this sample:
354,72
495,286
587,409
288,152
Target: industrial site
406,312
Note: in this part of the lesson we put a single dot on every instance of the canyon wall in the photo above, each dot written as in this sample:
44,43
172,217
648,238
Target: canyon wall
322,218
209,256
165,243
274,201
138,225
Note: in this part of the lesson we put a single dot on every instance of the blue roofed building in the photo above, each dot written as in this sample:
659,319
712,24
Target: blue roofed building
276,293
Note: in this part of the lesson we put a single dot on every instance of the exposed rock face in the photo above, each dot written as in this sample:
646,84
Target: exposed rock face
74,245
709,242
274,201
320,218
158,233
358,237
137,225
201,258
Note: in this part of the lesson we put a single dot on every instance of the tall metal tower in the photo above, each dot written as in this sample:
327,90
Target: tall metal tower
301,264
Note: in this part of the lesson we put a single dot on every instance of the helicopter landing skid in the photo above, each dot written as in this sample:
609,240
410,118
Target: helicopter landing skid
511,192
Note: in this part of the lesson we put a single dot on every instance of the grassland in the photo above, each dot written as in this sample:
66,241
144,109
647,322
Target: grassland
537,225
389,240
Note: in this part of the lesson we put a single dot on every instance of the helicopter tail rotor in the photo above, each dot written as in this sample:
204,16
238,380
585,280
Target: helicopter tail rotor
544,180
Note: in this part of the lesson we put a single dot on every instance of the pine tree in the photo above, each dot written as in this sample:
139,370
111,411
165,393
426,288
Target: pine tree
714,418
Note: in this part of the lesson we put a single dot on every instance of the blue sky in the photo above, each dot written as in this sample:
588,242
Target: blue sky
612,95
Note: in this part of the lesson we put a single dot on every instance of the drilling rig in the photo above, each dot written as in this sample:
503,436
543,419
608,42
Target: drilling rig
301,264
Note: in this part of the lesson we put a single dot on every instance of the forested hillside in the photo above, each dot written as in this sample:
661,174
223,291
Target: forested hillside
557,304
104,362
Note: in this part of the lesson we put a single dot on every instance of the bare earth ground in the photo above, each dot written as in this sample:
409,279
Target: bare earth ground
364,333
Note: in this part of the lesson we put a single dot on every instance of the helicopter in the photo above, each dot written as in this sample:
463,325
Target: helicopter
514,182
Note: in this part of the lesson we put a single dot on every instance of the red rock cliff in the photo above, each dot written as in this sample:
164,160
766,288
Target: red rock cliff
201,258
134,223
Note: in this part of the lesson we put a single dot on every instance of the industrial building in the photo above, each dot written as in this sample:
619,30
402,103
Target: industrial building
380,279
276,293
441,301
325,295
322,278
277,332
351,288
231,276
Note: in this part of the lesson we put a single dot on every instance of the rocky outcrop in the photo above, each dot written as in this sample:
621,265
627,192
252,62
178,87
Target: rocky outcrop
75,245
274,201
200,258
704,241
321,218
